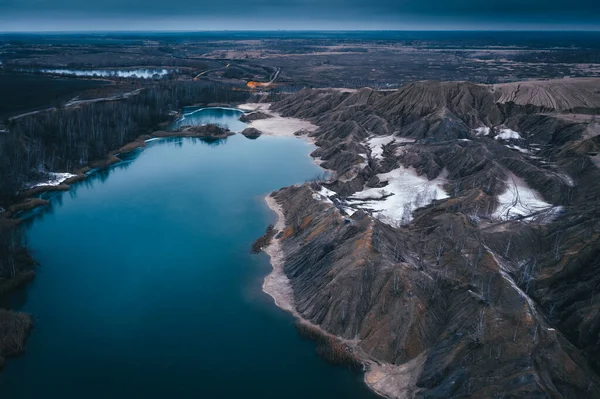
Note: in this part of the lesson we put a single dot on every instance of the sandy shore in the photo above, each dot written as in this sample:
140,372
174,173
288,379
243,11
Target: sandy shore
387,380
277,125
277,285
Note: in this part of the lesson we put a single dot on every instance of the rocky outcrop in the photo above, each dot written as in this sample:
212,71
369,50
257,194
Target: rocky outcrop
251,133
14,328
456,297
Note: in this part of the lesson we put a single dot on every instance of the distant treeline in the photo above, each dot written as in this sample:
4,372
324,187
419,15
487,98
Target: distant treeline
69,138
561,57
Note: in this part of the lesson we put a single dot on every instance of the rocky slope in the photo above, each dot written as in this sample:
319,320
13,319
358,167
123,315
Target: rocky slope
562,95
454,249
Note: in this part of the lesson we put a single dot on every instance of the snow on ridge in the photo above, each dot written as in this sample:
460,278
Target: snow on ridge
376,145
508,134
520,200
568,180
324,194
520,149
54,179
406,191
482,131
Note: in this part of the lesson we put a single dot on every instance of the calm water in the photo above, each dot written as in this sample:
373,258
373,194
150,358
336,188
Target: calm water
146,288
225,117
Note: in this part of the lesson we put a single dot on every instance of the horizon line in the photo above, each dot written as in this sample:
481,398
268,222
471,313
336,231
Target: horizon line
75,31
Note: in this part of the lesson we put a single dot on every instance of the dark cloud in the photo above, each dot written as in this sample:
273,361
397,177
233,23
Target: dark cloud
390,13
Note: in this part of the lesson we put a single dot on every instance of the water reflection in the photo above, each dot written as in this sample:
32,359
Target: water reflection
225,117
146,287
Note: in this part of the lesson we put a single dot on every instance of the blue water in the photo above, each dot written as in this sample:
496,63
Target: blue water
224,117
146,288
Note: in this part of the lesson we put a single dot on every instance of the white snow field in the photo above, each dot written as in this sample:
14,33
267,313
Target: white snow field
520,200
508,134
405,192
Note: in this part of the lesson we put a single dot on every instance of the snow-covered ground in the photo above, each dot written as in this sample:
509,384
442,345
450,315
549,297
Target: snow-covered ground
520,200
482,131
376,145
276,125
54,179
324,194
508,134
520,149
405,192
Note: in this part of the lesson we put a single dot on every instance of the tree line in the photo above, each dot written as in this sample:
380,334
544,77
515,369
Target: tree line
67,139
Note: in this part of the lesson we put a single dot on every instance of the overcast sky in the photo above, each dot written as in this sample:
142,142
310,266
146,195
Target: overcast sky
58,15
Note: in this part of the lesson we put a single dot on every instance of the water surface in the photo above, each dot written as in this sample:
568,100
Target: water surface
146,288
225,117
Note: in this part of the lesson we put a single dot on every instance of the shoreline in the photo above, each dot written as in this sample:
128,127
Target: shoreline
276,284
29,202
384,379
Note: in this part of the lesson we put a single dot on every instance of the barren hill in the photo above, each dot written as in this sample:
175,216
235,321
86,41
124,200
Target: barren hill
454,249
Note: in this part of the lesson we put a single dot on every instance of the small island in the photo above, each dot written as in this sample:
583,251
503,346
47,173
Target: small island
252,133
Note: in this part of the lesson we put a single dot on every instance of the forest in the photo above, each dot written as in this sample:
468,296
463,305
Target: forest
67,139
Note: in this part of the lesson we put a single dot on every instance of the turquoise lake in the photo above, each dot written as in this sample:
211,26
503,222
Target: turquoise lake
146,287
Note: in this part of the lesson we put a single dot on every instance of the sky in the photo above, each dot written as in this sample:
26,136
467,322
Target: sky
192,15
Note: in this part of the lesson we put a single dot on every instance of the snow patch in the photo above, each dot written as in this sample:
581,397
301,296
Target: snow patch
349,211
154,139
504,271
520,200
482,131
520,149
508,134
376,145
324,194
567,179
405,192
54,179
